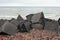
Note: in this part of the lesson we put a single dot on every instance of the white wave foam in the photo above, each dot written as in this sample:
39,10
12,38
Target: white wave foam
52,16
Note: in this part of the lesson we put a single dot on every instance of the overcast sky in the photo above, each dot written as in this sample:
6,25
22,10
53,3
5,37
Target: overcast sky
29,2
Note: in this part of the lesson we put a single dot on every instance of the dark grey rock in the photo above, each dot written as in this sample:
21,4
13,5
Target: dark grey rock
51,25
9,28
37,26
58,29
0,29
3,33
38,20
28,25
19,18
59,25
59,21
24,26
2,22
29,17
46,19
39,17
15,22
11,19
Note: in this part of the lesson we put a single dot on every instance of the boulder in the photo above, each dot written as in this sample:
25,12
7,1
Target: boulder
58,29
59,21
29,17
37,26
0,29
28,25
2,22
39,17
51,25
9,28
59,25
38,20
11,19
15,22
24,26
19,18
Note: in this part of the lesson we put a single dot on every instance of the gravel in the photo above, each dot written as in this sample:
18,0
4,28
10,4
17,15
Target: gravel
34,34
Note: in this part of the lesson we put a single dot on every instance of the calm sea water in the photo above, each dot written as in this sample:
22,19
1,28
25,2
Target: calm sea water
9,12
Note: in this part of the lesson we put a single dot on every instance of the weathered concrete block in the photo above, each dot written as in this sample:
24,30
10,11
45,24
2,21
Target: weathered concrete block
51,25
29,17
9,28
19,18
39,17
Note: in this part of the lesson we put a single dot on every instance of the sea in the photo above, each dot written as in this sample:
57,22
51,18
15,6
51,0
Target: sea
13,12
